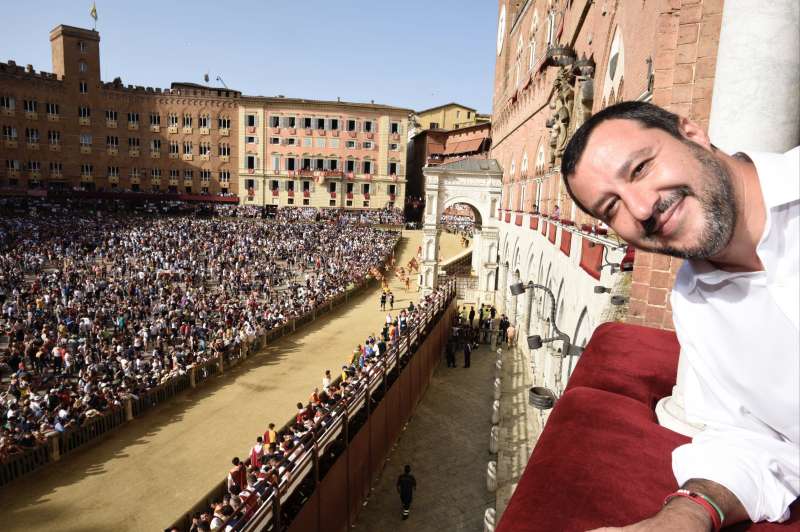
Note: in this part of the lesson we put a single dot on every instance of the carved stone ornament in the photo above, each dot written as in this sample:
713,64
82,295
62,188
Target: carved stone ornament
562,106
573,99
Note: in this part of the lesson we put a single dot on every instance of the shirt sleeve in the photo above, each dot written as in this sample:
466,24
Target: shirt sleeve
736,450
761,471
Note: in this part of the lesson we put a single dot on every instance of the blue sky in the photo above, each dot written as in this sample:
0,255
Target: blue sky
408,53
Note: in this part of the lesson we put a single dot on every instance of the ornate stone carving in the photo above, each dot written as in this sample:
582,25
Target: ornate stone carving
561,104
573,98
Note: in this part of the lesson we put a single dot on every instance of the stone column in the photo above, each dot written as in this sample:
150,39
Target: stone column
478,251
755,104
430,263
128,409
512,302
484,259
53,448
430,235
670,411
502,288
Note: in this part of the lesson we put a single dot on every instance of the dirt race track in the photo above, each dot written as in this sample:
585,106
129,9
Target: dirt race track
151,470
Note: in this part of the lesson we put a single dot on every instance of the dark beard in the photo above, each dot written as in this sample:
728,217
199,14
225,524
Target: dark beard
718,203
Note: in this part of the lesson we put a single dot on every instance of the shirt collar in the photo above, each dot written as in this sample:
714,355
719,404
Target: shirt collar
777,175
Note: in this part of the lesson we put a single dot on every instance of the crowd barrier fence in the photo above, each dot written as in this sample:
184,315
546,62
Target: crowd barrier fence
388,398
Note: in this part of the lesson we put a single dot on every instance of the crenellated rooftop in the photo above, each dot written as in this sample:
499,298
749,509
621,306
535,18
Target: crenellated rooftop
11,68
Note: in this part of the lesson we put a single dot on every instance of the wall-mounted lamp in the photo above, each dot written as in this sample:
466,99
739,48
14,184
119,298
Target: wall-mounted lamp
618,300
517,289
614,267
539,397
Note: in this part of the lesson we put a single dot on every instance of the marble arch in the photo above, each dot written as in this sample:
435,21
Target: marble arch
478,184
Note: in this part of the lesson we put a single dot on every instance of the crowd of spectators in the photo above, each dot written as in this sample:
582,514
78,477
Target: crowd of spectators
101,303
250,481
387,216
459,224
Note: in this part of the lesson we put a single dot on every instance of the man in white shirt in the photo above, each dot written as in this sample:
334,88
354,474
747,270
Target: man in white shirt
657,180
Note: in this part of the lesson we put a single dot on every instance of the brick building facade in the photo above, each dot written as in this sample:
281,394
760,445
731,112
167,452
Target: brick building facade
70,130
557,63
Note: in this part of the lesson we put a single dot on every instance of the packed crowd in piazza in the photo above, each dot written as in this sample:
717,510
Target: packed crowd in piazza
103,303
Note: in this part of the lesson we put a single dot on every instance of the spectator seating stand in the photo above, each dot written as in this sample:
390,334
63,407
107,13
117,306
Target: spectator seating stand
58,444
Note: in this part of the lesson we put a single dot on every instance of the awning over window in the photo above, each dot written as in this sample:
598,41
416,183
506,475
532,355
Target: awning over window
465,146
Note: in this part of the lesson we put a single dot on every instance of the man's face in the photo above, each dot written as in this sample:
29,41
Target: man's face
659,193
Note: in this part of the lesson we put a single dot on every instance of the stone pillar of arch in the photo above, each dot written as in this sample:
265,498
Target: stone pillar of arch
430,237
484,261
477,243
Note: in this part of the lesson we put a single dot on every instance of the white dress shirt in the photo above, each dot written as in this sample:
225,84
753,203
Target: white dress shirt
739,337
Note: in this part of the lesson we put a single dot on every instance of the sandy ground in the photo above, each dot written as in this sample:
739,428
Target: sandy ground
150,471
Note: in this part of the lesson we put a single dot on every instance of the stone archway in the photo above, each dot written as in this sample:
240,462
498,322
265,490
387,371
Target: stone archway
476,183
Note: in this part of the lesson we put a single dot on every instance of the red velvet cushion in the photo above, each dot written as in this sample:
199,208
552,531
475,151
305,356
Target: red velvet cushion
602,460
638,362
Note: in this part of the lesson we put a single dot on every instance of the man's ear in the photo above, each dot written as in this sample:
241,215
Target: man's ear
693,132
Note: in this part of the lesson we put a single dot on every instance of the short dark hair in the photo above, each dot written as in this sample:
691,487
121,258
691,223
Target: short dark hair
649,116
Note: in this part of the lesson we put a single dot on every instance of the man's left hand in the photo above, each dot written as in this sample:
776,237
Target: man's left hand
678,516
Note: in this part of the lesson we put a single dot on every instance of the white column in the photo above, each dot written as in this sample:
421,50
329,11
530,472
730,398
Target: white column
486,263
502,288
430,262
513,303
430,236
670,411
756,102
479,249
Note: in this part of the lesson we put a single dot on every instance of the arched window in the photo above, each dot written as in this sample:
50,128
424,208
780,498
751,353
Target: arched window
615,68
540,158
531,54
501,29
551,28
523,168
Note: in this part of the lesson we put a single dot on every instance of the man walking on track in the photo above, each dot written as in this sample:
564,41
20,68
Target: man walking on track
406,484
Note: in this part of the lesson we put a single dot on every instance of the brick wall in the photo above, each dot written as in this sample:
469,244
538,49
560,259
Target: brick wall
686,55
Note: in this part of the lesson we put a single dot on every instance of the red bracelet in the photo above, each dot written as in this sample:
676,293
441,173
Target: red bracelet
713,511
